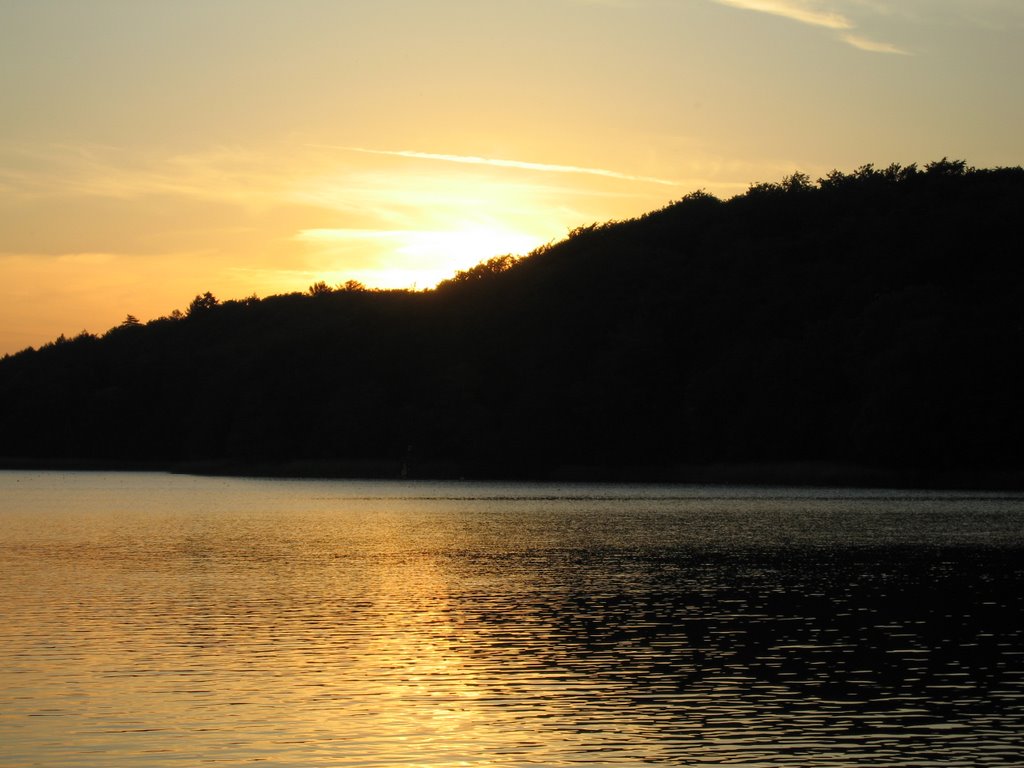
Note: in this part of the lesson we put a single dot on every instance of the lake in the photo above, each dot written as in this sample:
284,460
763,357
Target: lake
161,620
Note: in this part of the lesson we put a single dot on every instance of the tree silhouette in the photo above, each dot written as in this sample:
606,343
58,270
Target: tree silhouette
319,288
871,317
201,304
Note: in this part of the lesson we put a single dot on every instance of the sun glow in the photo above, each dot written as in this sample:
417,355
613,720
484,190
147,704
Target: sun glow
466,247
404,217
422,257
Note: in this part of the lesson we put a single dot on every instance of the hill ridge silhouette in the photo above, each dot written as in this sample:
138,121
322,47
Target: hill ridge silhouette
871,319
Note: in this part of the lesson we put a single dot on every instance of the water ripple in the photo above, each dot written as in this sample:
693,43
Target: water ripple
156,621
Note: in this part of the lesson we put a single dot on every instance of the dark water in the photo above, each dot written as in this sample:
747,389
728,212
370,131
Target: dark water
154,620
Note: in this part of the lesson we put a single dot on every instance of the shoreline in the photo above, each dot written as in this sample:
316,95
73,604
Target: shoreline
794,474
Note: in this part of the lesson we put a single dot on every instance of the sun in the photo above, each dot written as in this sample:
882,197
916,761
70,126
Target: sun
466,246
406,258
403,229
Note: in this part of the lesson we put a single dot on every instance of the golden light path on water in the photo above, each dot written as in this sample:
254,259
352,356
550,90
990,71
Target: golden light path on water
153,621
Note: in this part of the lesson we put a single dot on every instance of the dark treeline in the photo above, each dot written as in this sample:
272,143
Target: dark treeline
874,318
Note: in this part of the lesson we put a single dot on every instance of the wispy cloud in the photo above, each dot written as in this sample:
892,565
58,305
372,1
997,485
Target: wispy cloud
873,46
805,13
517,164
817,14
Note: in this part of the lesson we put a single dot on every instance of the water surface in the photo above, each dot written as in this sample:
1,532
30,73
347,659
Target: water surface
160,620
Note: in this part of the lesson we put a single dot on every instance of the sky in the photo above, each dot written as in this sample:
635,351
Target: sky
152,151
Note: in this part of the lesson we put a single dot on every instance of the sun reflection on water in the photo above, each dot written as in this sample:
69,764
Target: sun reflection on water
177,621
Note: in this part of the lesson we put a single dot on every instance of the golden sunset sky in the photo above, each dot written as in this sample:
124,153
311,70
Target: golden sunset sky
150,151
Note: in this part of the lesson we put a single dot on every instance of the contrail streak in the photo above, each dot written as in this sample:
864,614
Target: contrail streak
519,164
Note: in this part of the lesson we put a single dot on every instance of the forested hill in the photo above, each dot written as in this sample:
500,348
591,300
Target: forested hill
873,318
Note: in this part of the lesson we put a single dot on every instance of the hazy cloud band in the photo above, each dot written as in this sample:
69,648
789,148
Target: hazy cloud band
518,164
